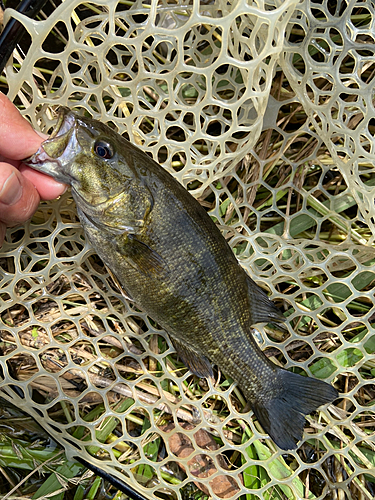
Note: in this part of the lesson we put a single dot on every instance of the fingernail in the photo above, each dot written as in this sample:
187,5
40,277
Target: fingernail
11,191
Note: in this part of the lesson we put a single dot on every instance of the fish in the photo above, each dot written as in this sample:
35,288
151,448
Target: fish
169,257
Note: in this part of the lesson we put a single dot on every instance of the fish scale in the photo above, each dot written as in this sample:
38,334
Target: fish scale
171,259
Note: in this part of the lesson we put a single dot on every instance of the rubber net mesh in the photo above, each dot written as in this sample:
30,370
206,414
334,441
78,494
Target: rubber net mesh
264,110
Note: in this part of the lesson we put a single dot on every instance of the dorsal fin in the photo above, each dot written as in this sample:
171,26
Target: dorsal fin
263,309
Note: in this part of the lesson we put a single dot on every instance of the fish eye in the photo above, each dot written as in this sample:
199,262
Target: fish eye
103,149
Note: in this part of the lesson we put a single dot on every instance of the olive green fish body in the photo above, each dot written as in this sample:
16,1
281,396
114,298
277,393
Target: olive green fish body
170,258
187,287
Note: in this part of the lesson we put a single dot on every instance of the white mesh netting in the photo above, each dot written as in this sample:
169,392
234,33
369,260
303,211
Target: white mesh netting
283,160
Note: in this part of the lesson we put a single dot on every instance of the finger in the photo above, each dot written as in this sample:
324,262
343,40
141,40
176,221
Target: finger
15,163
18,197
18,139
46,186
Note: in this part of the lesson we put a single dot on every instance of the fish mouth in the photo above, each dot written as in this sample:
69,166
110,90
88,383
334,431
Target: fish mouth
56,153
65,121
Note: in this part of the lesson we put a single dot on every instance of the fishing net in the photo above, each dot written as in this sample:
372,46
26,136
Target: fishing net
264,111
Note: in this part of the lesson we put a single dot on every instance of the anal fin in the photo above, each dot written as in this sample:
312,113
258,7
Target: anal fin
196,362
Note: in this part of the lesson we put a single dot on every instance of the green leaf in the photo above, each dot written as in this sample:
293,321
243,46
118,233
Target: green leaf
338,292
312,302
304,222
349,357
251,477
369,454
323,368
363,279
94,488
80,493
124,91
370,345
280,470
66,471
21,455
224,206
189,91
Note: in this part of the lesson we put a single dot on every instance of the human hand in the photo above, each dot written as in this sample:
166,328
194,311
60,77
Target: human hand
21,188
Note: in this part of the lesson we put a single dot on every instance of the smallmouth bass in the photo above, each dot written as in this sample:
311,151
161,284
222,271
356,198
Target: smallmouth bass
170,258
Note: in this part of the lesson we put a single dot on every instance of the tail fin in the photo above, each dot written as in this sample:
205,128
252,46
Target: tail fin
283,416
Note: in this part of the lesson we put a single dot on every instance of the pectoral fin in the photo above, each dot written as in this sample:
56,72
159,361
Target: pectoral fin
142,257
197,363
112,225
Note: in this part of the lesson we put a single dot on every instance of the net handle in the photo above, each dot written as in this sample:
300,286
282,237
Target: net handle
13,30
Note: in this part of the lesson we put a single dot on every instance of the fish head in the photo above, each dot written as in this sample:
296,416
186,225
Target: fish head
83,152
99,166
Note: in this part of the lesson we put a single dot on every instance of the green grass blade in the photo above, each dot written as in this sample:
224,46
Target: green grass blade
65,472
